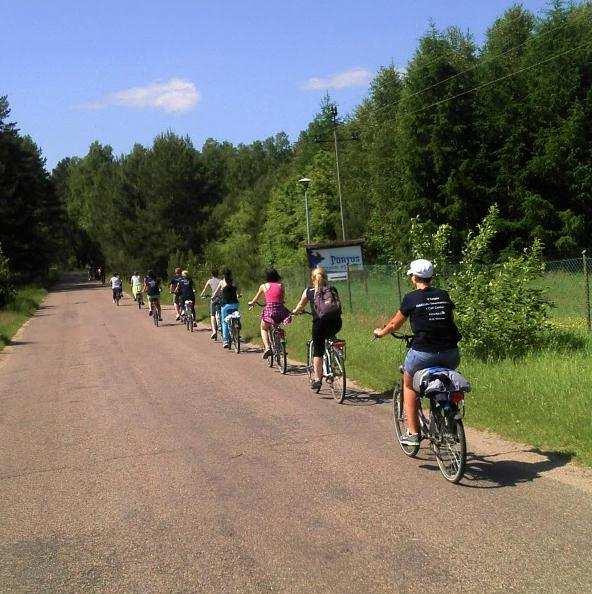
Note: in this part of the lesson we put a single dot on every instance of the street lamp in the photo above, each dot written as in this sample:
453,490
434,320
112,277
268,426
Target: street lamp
305,181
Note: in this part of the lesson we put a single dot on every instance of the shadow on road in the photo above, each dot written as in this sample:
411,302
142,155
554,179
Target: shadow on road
484,472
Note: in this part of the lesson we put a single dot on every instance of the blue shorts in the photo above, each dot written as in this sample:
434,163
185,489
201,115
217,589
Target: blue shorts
417,360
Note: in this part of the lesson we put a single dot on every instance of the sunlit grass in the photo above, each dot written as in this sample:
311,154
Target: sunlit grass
18,310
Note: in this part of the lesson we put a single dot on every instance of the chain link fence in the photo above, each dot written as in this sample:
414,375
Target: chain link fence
376,292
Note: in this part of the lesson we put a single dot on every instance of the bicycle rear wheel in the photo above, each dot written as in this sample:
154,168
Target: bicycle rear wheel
450,447
155,316
339,382
400,422
236,339
282,357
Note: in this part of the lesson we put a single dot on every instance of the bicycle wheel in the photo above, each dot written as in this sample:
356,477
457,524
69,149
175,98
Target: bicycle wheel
400,422
236,340
338,382
155,316
282,358
450,446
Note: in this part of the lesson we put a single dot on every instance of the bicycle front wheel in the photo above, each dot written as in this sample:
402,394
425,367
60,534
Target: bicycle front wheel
450,448
338,382
400,422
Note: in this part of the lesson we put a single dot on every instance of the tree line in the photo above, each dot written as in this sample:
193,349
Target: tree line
463,127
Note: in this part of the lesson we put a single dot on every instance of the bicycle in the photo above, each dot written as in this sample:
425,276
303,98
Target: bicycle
277,344
443,427
140,299
187,315
333,366
117,295
217,317
154,313
234,322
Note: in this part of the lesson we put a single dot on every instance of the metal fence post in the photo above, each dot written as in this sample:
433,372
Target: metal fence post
351,307
587,281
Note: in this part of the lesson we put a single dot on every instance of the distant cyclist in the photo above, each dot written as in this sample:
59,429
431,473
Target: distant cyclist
136,283
274,311
435,342
186,292
174,292
152,290
326,318
116,287
228,292
212,283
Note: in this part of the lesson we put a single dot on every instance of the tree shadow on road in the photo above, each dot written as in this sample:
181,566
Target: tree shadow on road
485,472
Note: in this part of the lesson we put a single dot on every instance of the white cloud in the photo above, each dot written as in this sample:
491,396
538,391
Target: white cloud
354,77
174,96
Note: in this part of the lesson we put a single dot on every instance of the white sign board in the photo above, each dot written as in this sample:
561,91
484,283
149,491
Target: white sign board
335,260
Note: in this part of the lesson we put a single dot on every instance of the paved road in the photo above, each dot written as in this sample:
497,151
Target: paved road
137,459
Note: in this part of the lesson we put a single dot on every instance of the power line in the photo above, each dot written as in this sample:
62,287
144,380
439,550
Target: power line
488,60
421,91
491,82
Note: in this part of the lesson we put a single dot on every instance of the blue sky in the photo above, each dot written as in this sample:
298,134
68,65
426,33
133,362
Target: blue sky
121,71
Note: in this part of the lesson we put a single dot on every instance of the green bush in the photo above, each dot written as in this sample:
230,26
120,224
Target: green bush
499,310
7,291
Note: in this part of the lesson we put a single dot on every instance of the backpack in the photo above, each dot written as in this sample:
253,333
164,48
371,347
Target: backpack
327,303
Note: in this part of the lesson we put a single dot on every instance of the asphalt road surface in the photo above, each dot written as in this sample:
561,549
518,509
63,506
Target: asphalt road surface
142,459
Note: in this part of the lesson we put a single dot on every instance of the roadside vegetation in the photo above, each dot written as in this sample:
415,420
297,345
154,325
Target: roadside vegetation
17,310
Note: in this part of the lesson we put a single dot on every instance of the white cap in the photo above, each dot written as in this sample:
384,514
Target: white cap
421,269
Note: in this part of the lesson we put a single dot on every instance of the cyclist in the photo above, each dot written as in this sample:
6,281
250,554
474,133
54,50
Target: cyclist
326,318
116,286
228,292
212,283
136,283
435,342
275,312
152,290
186,292
101,274
176,296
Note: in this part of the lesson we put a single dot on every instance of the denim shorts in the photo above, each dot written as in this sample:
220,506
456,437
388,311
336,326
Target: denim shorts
416,360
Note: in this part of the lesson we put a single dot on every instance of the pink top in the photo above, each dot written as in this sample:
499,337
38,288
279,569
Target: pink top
274,293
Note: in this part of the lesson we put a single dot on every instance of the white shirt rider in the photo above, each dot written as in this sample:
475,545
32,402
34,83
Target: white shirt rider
115,282
136,280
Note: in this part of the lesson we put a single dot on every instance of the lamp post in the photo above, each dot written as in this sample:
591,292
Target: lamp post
305,181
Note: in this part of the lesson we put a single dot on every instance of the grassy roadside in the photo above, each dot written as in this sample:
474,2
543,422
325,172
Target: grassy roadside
23,306
542,399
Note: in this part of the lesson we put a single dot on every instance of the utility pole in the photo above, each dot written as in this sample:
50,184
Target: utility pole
334,119
305,181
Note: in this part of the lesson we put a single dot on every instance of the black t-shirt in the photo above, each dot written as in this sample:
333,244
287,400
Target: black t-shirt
175,281
185,289
430,315
229,295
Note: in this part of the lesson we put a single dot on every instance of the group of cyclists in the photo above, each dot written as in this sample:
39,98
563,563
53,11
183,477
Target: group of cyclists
428,309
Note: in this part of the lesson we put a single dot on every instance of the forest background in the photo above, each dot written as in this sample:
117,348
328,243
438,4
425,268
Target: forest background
464,127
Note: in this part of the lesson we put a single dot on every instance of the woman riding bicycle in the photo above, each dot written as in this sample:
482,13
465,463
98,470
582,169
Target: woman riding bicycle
275,312
228,302
326,318
212,283
435,340
152,290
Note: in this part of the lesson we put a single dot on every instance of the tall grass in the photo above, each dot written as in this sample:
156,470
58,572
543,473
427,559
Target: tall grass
18,310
